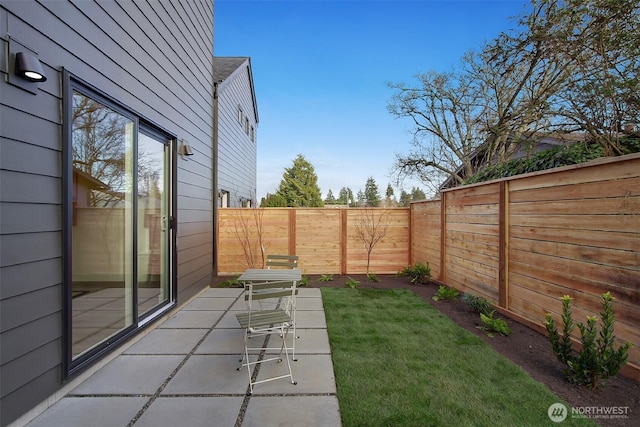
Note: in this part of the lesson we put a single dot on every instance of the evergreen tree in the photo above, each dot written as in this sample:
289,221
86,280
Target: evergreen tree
389,199
405,198
371,194
330,199
389,192
417,194
345,197
361,200
299,185
273,201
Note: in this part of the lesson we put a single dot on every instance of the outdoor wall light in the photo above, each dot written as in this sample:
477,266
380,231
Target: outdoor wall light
29,67
185,149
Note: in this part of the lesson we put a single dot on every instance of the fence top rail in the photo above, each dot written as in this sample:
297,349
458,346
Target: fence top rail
593,163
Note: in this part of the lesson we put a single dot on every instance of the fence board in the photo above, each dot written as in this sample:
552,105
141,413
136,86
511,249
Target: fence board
615,187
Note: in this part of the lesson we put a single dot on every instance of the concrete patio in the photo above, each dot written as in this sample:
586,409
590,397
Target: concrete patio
184,373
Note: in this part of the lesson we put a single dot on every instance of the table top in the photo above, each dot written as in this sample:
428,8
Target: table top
260,274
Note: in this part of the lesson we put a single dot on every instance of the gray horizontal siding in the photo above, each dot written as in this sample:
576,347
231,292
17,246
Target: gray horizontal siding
28,277
29,218
40,131
29,247
29,188
43,385
29,158
18,370
155,58
39,332
237,154
25,308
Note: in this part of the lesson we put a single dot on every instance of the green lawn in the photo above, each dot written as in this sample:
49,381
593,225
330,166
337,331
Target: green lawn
400,362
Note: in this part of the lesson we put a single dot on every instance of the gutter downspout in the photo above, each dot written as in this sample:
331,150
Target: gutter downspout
215,177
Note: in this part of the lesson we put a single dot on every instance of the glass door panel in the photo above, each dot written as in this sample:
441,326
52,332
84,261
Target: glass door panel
102,223
153,223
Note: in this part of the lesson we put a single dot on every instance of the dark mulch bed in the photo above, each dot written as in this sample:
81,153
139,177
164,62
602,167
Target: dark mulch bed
524,346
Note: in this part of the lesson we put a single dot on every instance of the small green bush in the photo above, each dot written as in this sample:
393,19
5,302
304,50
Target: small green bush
326,278
445,293
373,278
417,273
352,283
492,325
231,283
598,359
479,304
304,281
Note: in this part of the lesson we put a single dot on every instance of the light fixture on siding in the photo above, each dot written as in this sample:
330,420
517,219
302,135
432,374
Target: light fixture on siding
28,67
185,149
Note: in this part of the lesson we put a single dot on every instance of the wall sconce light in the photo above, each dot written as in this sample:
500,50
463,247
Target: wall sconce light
24,68
29,67
185,149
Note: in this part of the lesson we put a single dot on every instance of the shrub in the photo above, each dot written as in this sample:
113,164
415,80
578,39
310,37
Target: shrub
445,293
373,278
352,283
597,359
417,273
304,281
479,304
494,325
326,278
232,283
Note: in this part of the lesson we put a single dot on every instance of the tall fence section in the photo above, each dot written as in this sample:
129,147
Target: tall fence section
520,242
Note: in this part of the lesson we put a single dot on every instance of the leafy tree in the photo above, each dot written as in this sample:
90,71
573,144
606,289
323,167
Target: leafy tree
601,41
299,185
569,65
371,193
330,199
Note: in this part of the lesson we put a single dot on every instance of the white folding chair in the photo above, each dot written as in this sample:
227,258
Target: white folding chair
285,261
269,317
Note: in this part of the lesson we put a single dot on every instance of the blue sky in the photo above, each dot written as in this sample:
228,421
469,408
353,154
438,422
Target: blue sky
321,70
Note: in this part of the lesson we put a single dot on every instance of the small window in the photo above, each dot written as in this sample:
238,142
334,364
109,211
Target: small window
240,115
253,134
246,125
223,198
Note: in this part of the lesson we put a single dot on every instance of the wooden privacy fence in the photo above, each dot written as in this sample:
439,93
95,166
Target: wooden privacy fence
521,242
325,239
524,242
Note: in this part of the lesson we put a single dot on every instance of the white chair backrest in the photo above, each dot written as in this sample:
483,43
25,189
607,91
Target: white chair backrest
284,261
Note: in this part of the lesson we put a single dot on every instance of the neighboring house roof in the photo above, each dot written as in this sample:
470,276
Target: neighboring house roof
526,147
224,67
91,182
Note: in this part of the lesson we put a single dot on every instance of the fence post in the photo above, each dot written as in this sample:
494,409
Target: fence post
343,241
443,237
292,231
503,246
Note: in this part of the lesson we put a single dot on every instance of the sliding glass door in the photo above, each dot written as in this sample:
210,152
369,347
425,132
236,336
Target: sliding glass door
120,234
